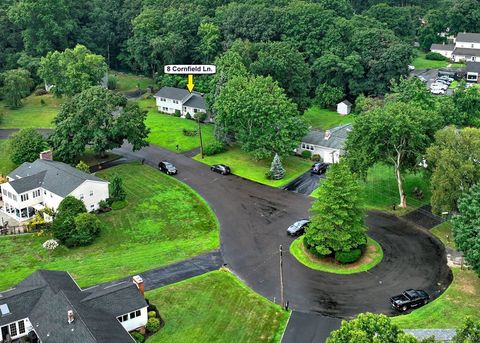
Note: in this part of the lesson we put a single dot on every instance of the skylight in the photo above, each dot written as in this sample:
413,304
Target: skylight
4,310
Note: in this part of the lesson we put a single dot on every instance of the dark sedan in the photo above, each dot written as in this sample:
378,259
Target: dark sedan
221,168
167,168
409,299
319,168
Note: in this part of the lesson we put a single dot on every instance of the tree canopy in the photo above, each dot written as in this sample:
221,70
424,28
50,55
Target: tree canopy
26,145
16,85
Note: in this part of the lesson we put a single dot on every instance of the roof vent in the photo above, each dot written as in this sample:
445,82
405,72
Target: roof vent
70,316
328,134
4,310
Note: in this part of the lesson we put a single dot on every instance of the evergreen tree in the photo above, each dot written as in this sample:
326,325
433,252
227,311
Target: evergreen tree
277,171
117,192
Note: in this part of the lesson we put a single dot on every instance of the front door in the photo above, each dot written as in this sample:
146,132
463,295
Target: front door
5,331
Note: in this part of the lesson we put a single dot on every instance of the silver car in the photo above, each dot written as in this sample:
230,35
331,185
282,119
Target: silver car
298,228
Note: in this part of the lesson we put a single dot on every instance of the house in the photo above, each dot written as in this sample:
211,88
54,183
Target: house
443,49
45,183
49,307
466,48
328,144
473,72
344,107
171,100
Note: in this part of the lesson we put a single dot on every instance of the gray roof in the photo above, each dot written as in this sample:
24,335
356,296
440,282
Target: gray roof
337,138
194,99
468,37
473,67
45,297
346,102
444,47
56,177
466,52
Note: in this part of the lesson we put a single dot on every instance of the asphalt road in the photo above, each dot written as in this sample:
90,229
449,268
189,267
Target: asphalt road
305,183
253,219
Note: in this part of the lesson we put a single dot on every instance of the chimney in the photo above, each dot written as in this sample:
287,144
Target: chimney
138,281
70,316
328,134
46,155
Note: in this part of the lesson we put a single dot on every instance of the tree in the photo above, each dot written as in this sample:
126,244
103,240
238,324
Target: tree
72,71
469,332
116,188
326,95
209,35
454,159
396,134
16,85
277,171
99,118
87,228
370,328
258,115
83,167
337,216
466,227
466,104
64,222
26,146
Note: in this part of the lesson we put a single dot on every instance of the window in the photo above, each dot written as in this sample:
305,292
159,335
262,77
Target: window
36,193
312,148
91,193
120,319
163,99
303,146
125,317
44,192
13,329
21,327
195,110
137,313
92,206
81,197
24,197
132,315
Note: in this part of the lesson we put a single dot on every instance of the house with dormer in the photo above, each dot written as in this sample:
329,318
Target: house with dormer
173,100
466,48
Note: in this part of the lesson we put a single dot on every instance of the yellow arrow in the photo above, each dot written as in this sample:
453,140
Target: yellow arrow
190,83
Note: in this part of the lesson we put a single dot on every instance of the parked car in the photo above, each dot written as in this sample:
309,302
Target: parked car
446,78
410,67
445,82
167,168
221,168
422,78
298,228
409,299
319,168
438,85
437,91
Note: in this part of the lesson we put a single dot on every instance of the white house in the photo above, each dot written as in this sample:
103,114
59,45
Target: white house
473,72
466,48
328,144
344,107
171,99
45,183
49,306
443,49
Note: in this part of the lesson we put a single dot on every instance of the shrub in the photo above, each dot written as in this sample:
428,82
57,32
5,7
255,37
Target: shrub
83,167
153,325
435,56
112,83
137,336
86,229
348,256
306,154
103,206
201,116
177,113
317,158
118,205
214,148
152,314
117,191
189,133
188,116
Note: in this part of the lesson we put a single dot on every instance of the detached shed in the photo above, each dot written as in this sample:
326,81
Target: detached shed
344,107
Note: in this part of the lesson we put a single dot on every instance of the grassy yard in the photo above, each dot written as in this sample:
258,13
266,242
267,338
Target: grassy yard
244,165
216,307
461,299
6,166
130,82
167,130
323,119
164,222
444,233
420,62
32,114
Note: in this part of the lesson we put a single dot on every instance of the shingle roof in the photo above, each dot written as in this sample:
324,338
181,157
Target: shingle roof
194,99
468,37
45,297
466,52
337,138
473,67
346,102
444,47
57,177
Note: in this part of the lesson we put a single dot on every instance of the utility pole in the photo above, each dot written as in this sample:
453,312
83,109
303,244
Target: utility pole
282,303
200,134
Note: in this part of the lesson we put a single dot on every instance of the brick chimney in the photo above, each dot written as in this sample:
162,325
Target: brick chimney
46,155
138,281
70,316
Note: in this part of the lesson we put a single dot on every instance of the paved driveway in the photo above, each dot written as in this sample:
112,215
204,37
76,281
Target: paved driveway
253,219
304,184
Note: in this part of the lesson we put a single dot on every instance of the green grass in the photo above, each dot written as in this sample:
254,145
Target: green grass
323,119
216,307
244,165
6,166
461,299
453,85
370,259
164,222
167,130
420,62
32,113
130,82
443,231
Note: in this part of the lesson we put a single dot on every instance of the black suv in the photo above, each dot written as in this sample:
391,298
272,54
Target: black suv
167,168
319,168
408,299
221,168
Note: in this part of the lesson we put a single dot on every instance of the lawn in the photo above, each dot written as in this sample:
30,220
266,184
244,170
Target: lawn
6,166
167,130
372,257
130,82
244,165
444,233
32,114
163,222
323,119
216,307
420,62
461,299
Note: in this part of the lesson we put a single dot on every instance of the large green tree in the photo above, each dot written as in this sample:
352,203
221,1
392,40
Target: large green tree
209,35
337,216
257,114
16,85
454,158
397,134
72,71
99,118
26,145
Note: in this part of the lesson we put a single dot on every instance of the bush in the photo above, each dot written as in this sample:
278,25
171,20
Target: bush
152,314
214,148
40,92
86,229
83,167
201,116
306,154
189,133
188,116
348,256
153,325
118,205
112,83
317,158
435,56
177,113
137,336
103,206
117,191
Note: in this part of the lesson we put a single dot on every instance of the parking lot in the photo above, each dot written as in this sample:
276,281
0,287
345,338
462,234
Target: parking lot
430,77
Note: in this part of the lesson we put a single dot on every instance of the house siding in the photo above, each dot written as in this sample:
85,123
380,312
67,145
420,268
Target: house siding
99,191
137,322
